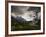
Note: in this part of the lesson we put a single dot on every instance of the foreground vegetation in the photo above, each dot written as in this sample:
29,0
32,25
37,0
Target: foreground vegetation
16,26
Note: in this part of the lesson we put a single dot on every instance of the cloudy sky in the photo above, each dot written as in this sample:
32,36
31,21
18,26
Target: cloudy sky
28,13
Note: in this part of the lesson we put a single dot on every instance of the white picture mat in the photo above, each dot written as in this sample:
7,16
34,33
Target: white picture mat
28,31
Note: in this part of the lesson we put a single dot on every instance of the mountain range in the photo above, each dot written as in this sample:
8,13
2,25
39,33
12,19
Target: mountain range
20,19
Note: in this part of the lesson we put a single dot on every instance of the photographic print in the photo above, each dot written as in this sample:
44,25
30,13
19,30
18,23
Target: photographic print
25,18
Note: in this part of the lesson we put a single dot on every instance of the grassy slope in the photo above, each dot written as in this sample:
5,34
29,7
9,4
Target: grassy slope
24,26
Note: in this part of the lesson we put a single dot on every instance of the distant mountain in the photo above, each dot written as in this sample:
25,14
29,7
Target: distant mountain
20,20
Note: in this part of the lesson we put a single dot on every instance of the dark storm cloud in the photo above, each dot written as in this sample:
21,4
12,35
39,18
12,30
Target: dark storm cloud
21,9
16,9
36,9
